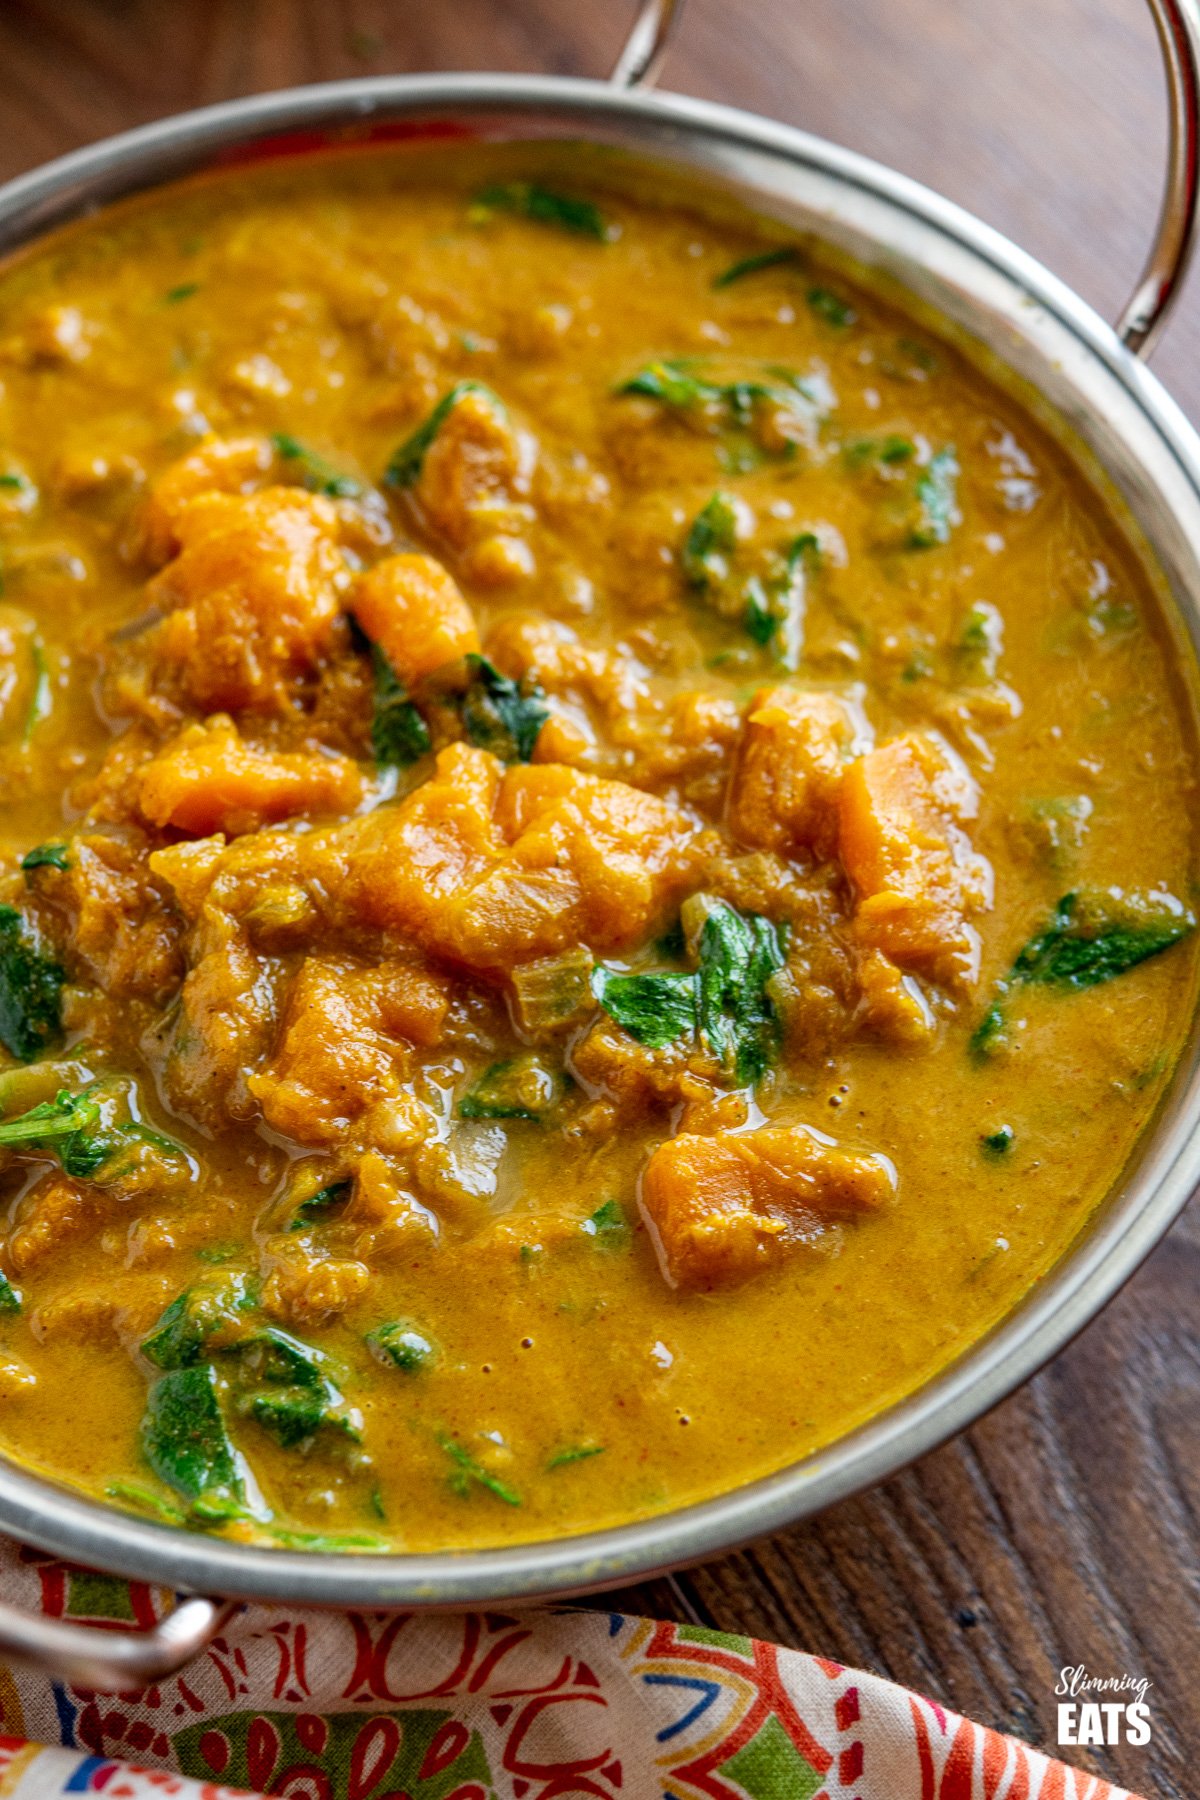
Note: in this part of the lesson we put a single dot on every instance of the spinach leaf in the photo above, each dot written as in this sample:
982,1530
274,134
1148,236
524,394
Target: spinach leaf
831,307
499,714
313,1210
710,541
318,475
401,1346
775,604
655,1009
298,1399
467,1470
335,1542
988,1035
182,1336
724,1002
1085,944
751,265
738,956
185,1442
770,606
523,1087
573,1453
608,1226
10,1297
71,1127
672,382
546,207
937,502
184,291
675,383
408,461
136,1493
291,1415
77,1128
54,1121
31,985
997,1143
888,450
46,856
1088,940
41,701
399,735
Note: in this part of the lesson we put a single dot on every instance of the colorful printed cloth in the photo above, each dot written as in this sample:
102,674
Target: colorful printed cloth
491,1706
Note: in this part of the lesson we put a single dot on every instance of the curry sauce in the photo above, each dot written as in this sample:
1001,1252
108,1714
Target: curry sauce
597,855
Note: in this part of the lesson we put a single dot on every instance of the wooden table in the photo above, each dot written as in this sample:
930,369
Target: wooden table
1063,1528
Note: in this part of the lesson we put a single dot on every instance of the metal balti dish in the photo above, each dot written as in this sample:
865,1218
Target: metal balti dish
1087,375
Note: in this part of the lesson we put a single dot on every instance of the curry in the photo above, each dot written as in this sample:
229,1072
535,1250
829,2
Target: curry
597,852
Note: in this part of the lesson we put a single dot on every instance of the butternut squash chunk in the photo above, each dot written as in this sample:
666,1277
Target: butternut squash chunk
723,1208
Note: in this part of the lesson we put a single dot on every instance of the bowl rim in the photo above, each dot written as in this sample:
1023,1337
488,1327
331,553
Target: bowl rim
1128,1225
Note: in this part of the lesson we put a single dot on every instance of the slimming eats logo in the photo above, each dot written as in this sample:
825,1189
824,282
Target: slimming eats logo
1120,1716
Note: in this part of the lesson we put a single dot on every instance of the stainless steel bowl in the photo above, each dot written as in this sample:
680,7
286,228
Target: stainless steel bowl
1088,375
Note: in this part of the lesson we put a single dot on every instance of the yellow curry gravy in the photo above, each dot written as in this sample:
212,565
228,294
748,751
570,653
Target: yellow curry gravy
596,854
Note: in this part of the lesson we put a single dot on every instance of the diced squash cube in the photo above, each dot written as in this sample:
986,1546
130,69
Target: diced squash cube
412,608
476,473
489,866
222,1029
209,780
344,1043
306,1290
252,597
723,1208
783,795
216,466
916,879
56,1213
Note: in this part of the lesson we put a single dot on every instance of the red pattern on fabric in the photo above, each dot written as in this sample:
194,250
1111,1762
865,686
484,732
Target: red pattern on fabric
1021,1778
850,1765
958,1776
570,1777
924,1748
846,1712
995,1761
495,1656
373,1753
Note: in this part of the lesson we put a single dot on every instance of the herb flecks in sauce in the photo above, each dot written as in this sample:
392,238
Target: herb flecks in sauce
544,206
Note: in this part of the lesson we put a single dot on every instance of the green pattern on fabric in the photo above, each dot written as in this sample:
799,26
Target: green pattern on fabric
770,1767
93,1596
434,1755
724,1640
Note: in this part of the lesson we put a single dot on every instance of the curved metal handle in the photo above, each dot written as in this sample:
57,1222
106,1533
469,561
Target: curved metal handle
112,1662
1178,26
642,58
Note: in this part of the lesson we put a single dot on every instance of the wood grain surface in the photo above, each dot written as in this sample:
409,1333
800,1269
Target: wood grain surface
1063,1529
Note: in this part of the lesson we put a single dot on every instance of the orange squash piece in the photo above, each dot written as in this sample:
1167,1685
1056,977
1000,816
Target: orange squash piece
209,780
784,790
218,465
252,597
915,877
489,866
413,609
345,1042
723,1208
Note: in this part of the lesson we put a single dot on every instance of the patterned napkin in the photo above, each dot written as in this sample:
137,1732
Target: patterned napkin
487,1706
